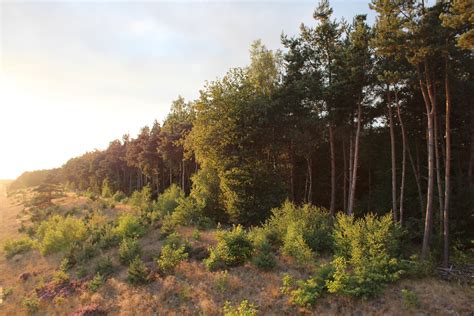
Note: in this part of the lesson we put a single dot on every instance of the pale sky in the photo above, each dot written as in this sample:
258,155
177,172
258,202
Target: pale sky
74,75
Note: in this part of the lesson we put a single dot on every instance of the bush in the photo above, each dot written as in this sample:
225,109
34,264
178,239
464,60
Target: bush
14,247
106,191
168,200
128,250
410,298
31,303
119,196
305,293
244,309
129,226
187,212
140,200
263,258
294,245
312,223
96,282
60,277
170,257
366,255
233,248
60,233
137,272
221,281
104,266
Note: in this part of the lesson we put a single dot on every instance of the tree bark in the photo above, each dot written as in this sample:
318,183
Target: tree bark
439,181
427,93
333,171
345,174
393,155
404,155
447,173
310,180
356,159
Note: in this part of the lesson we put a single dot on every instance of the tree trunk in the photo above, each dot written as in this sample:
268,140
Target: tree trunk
439,182
356,159
183,177
292,172
310,180
393,155
427,93
351,164
345,174
447,173
470,171
333,171
404,154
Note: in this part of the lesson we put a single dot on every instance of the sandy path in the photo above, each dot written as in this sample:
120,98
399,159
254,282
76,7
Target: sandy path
9,222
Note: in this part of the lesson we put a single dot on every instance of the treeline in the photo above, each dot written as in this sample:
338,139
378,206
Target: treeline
352,117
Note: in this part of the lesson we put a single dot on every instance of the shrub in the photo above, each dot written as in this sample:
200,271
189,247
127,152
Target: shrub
294,245
14,247
221,281
233,248
137,272
119,196
128,250
96,282
106,191
129,226
59,234
305,293
410,298
186,212
312,223
60,277
168,200
140,200
31,303
170,257
263,257
104,266
244,309
366,255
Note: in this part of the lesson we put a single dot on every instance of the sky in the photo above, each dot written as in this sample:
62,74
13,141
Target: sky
75,75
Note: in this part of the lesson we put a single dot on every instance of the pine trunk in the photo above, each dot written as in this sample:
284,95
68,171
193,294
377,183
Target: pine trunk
428,98
393,155
404,155
356,159
447,173
333,171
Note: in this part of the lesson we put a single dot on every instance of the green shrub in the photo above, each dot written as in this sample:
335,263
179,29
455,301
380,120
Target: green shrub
416,268
137,272
31,303
294,245
106,191
141,200
60,277
96,282
244,309
128,250
263,257
168,200
366,255
119,196
186,212
129,226
168,226
305,293
410,298
221,281
104,266
6,293
312,223
233,248
170,257
14,247
59,234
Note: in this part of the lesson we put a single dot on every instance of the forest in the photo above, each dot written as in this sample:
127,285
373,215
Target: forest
351,139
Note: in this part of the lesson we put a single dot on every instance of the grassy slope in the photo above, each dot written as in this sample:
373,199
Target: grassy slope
193,290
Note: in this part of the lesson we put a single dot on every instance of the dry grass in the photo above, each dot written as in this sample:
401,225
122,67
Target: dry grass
192,290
